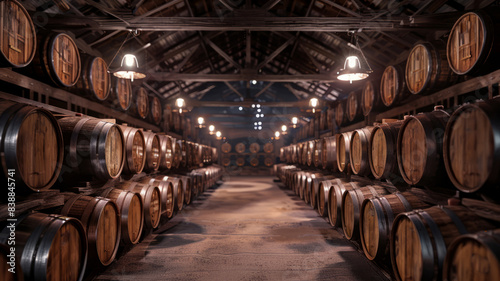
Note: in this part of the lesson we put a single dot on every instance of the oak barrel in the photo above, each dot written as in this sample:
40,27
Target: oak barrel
10,270
240,147
310,152
130,207
343,149
166,150
323,190
151,201
254,147
183,152
254,161
318,145
156,112
471,147
57,59
351,207
140,104
359,151
49,247
420,148
226,161
135,150
31,144
335,199
376,217
314,189
153,155
370,97
18,35
166,191
329,153
383,150
427,69
353,107
392,85
95,81
176,147
473,43
225,147
419,239
178,192
268,147
473,257
121,92
268,161
187,187
101,219
93,148
340,113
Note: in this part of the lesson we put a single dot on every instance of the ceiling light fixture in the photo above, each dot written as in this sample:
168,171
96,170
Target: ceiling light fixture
295,121
180,103
129,67
353,70
211,129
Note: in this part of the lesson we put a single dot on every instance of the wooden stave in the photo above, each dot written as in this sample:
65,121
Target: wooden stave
364,166
240,147
423,221
85,84
90,216
375,97
311,146
401,91
335,200
166,190
353,107
268,147
122,199
490,108
151,205
317,161
4,58
390,131
140,104
187,188
434,169
121,99
178,193
323,190
226,147
90,166
346,138
439,75
489,240
386,208
314,189
308,186
340,113
12,116
329,151
129,134
166,151
177,151
34,232
183,152
152,152
254,147
356,197
156,110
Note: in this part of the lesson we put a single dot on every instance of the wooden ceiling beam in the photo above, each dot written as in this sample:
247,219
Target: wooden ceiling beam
270,4
201,77
276,52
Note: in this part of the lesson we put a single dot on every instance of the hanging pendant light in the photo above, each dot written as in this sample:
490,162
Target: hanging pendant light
352,70
129,68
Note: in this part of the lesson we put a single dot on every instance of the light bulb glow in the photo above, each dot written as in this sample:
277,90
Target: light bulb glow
314,102
179,102
283,128
260,123
218,134
352,62
253,82
211,128
260,127
295,120
201,120
253,105
259,110
257,115
240,108
277,134
258,105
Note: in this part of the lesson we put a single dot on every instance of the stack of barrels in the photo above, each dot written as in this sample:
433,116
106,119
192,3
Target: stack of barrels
253,155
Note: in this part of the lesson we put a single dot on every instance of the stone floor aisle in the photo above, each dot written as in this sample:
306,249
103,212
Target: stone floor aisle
246,229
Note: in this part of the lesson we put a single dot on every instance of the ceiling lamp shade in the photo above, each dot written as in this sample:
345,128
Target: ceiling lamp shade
129,68
352,70
211,129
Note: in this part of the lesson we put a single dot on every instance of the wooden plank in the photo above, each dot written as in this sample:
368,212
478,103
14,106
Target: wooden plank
201,77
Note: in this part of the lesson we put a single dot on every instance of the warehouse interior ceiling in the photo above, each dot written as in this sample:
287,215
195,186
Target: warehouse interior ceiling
222,54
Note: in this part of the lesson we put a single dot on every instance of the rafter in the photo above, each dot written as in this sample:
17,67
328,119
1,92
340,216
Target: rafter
201,77
264,89
222,53
276,52
233,89
270,4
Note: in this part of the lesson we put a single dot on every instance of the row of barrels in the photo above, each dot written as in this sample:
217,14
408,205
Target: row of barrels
87,231
252,148
55,56
430,66
420,240
427,149
42,149
241,161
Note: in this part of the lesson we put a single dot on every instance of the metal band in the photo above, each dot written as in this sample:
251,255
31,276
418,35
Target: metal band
438,240
456,220
73,143
405,202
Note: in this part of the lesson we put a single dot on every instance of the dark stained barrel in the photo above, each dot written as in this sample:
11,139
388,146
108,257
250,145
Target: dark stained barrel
95,81
318,145
140,105
135,150
101,219
370,97
343,151
383,150
153,156
93,148
156,110
310,152
49,246
226,147
254,147
176,162
329,153
340,113
167,152
392,85
31,144
353,108
268,147
121,91
240,147
18,35
359,151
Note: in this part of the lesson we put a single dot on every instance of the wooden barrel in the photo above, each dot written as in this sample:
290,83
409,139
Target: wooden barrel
153,155
329,153
240,161
240,147
177,121
359,149
187,187
48,247
323,190
176,162
183,152
351,207
473,257
314,189
254,147
473,42
335,200
353,108
8,261
427,69
419,239
310,152
392,85
140,105
226,161
225,147
343,149
370,97
167,155
166,191
121,93
420,148
178,194
151,201
18,35
376,217
383,150
57,59
135,148
330,119
31,147
318,145
95,81
305,192
340,113
131,213
101,219
268,147
268,161
254,161
471,143
93,148
156,112
190,151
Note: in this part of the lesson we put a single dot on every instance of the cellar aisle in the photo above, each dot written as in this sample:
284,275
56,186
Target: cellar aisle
246,229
